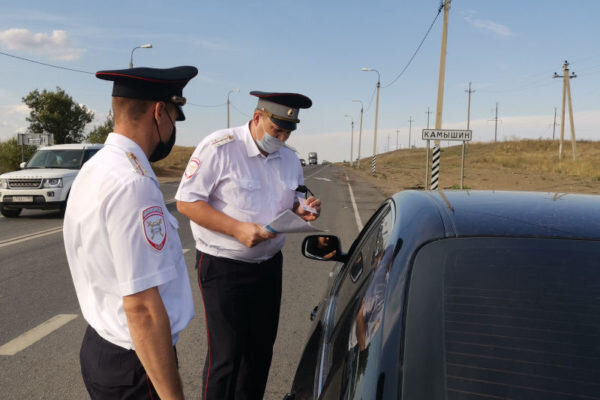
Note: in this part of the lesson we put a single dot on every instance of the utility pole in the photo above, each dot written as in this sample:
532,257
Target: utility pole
397,135
388,144
435,170
410,121
464,145
496,125
554,125
566,91
469,106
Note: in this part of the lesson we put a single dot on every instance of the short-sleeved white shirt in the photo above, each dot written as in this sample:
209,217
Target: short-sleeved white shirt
228,172
120,240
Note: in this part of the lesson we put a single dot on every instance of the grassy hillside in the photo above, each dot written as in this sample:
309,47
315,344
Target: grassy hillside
174,164
511,165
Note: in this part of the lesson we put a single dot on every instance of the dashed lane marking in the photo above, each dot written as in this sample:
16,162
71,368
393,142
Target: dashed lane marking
30,337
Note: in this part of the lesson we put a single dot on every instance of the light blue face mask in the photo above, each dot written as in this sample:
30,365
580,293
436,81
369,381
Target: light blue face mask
269,144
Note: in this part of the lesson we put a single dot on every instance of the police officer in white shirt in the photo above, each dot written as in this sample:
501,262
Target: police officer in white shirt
123,248
237,181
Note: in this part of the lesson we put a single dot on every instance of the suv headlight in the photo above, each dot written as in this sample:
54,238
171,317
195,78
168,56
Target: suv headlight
3,183
53,183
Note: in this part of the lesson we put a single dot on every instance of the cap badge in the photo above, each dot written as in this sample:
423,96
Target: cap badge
290,112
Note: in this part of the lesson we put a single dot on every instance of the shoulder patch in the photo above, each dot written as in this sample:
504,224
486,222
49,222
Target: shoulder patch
155,230
192,167
135,163
220,141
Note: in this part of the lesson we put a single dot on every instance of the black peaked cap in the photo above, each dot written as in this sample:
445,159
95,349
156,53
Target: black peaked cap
157,84
295,100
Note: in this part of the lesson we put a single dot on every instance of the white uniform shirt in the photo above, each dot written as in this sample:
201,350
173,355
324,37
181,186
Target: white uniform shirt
229,172
120,240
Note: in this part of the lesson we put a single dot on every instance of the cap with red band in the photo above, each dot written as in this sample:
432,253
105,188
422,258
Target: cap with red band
157,84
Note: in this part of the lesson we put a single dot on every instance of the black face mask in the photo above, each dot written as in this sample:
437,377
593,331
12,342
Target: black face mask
163,149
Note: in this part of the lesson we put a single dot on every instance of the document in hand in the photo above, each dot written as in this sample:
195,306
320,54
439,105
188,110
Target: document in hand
289,222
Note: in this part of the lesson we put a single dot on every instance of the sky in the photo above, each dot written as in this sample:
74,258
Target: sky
508,49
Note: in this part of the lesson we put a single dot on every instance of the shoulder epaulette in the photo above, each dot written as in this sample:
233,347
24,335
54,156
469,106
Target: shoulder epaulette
220,141
135,163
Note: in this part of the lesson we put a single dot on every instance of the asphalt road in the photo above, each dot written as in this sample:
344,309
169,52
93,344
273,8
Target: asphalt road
40,320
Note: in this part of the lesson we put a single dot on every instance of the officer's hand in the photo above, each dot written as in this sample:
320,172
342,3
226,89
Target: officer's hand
307,215
250,234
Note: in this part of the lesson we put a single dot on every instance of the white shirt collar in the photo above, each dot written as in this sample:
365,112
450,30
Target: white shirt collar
129,146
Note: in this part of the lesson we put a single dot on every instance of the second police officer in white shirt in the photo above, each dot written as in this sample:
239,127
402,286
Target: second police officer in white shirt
237,181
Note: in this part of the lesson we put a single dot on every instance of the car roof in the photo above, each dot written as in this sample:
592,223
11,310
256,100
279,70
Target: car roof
73,146
504,213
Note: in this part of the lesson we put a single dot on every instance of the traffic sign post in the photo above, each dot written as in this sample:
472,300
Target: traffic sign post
449,135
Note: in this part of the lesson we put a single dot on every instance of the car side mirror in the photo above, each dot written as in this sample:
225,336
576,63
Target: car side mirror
323,248
22,165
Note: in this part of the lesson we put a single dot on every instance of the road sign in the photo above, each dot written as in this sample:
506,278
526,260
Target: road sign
35,139
447,134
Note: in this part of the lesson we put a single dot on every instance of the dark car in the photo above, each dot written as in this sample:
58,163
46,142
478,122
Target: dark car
303,162
460,295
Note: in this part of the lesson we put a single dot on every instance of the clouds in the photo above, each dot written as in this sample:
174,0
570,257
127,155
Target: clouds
55,45
497,29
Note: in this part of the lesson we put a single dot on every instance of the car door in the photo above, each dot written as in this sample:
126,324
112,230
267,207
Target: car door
345,301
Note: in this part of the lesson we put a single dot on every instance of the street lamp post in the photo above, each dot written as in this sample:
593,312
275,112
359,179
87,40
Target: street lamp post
351,140
144,46
360,131
374,162
228,102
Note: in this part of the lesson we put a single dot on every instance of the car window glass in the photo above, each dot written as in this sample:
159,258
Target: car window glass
503,318
365,257
88,154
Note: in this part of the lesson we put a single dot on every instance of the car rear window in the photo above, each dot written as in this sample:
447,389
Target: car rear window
499,318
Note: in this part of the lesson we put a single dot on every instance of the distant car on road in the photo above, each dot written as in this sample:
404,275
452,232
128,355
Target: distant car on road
312,158
460,295
45,181
303,162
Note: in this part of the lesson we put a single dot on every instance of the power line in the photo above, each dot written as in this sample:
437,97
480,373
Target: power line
46,64
418,47
207,105
238,110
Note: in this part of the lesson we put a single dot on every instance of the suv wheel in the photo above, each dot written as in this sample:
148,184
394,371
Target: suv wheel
10,212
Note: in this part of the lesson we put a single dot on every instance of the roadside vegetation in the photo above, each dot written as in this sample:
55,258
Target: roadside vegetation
509,165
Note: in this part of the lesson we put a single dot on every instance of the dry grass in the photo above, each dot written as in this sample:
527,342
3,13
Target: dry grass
174,164
511,165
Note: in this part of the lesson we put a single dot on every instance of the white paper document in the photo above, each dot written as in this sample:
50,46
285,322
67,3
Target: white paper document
290,222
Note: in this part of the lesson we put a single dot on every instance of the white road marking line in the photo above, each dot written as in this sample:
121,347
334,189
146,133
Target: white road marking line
30,337
323,179
313,174
356,214
170,201
30,236
186,251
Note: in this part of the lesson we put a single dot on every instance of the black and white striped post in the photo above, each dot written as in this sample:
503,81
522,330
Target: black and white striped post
373,163
435,167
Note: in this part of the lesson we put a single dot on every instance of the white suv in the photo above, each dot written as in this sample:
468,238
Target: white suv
45,181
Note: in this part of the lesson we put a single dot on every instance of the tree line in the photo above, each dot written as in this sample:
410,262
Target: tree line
57,113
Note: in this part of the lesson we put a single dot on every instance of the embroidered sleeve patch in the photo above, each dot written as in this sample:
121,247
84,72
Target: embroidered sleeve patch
155,229
191,168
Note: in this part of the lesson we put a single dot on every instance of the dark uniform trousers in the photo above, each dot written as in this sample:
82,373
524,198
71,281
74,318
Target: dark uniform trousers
241,304
112,372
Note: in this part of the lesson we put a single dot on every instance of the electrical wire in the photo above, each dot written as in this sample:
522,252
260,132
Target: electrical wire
418,47
207,105
46,64
240,111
